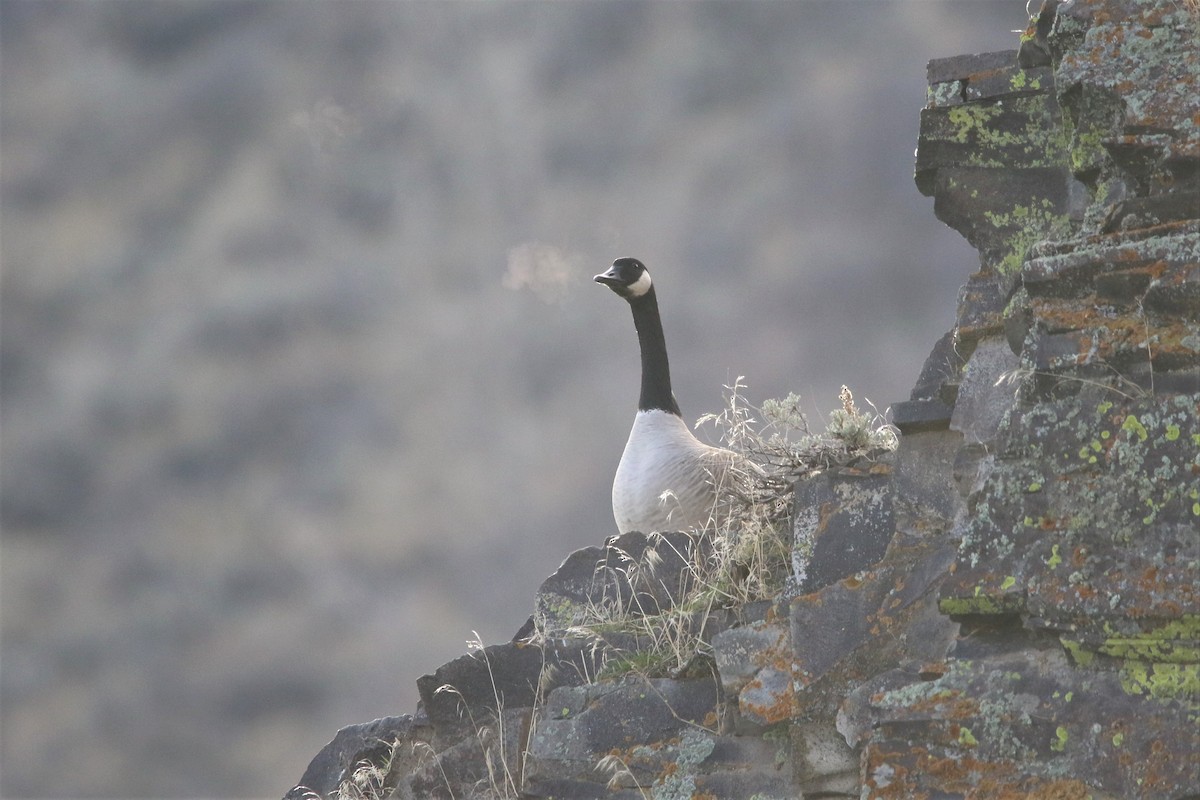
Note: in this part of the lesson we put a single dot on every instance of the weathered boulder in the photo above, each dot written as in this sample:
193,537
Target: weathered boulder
842,524
488,761
473,689
755,665
657,736
633,572
370,745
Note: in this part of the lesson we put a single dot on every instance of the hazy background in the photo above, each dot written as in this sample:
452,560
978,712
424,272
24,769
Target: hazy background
303,375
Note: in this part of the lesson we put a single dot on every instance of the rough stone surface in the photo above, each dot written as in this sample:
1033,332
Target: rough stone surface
984,395
1078,562
861,626
488,763
931,403
369,743
1027,720
827,765
1008,607
843,523
741,652
585,720
634,571
926,496
471,689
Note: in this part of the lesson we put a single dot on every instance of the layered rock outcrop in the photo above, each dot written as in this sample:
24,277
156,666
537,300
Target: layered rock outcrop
1006,606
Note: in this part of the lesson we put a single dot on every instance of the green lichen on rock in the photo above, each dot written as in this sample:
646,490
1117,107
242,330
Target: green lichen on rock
1090,117
973,122
680,784
1020,81
1027,225
982,600
966,738
1138,460
944,94
1165,682
1176,641
1025,128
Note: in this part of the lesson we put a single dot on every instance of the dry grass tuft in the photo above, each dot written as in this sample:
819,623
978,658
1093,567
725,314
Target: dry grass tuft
503,767
370,781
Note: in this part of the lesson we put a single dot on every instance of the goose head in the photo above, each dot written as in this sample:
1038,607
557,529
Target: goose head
627,277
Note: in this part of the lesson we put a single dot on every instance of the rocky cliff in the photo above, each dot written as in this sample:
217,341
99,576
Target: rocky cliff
1006,606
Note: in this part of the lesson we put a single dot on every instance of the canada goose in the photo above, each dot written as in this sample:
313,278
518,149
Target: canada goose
667,478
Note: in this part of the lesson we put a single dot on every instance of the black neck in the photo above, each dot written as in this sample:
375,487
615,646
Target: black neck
656,374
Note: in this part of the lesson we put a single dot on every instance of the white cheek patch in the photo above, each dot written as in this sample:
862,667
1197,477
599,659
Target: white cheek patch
640,286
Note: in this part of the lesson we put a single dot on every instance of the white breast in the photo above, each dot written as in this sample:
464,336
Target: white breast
667,479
